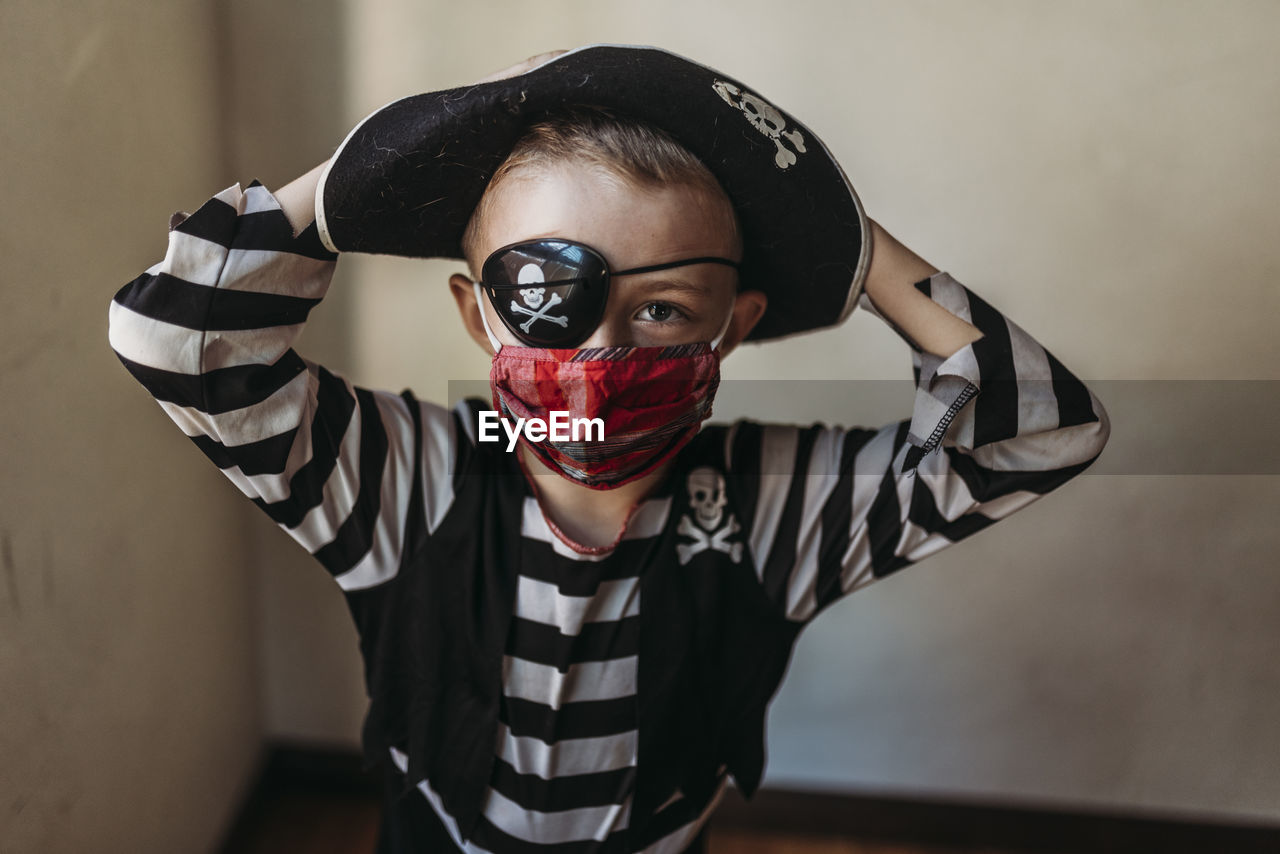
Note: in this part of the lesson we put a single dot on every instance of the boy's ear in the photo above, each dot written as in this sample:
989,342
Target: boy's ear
748,308
465,296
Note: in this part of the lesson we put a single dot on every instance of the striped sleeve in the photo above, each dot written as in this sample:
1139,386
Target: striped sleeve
209,332
994,426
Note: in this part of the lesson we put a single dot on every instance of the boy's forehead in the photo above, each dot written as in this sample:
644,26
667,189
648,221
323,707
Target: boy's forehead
628,223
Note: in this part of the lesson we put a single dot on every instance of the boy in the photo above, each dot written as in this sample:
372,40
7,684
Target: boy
571,645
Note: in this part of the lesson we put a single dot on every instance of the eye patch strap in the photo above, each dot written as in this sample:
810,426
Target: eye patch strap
652,268
488,330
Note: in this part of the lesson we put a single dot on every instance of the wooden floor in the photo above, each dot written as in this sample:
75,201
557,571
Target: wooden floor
310,801
317,823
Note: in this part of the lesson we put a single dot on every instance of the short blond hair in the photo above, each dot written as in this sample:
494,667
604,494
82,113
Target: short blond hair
629,150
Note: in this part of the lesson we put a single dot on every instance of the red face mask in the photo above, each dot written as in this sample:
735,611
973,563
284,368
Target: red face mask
651,400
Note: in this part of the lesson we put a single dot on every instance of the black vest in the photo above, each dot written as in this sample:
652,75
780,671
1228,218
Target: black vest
713,648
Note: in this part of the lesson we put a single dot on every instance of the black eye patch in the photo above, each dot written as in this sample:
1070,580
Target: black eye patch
552,292
549,293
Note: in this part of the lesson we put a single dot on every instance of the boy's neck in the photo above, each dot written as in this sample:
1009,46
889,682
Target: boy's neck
587,518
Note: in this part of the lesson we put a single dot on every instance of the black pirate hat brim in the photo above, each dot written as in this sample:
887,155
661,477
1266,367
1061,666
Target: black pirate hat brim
407,179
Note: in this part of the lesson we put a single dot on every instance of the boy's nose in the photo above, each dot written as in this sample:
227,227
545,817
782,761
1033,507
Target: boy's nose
610,333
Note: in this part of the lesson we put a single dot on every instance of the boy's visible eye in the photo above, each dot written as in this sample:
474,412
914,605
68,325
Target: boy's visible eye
659,312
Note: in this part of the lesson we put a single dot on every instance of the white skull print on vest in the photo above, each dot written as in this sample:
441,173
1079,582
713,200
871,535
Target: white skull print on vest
702,524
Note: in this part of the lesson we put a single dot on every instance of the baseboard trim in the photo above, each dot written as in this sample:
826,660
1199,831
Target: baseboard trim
293,767
984,825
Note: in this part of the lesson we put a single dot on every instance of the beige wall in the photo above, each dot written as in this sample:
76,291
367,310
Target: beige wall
285,78
1102,172
130,713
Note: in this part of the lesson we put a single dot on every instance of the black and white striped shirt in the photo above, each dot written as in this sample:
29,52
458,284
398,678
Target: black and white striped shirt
209,331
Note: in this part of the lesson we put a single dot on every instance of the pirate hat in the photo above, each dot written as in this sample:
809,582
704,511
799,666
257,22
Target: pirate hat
406,180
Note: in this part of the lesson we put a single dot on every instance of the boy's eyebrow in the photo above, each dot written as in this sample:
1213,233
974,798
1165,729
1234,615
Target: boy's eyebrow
658,282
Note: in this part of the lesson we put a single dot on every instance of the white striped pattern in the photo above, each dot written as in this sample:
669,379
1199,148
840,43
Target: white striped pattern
544,603
258,200
320,525
587,680
569,757
383,557
1067,446
283,411
820,480
876,456
777,457
555,828
157,344
437,461
1037,404
202,262
610,679
192,259
260,271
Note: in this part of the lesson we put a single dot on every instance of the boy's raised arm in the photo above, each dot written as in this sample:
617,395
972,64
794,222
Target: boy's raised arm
891,288
209,332
998,422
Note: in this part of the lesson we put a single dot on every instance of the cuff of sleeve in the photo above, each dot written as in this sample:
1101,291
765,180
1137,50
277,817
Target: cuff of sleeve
250,219
944,386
